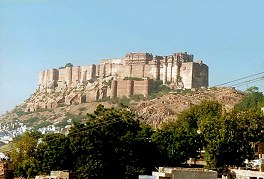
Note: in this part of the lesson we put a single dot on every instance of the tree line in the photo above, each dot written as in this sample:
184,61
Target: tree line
114,142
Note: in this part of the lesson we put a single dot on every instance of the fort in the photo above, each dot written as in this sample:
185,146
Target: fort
130,75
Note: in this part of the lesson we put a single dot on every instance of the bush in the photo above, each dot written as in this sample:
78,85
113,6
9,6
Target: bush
31,121
62,124
43,124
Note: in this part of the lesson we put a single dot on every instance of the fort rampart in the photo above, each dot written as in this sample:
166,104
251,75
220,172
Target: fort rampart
177,68
133,74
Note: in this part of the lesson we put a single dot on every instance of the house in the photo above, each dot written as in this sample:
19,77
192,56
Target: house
181,173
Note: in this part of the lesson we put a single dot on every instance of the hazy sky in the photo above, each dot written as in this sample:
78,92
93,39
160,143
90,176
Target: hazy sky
228,35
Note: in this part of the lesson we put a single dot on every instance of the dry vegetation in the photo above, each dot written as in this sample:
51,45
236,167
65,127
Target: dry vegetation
154,111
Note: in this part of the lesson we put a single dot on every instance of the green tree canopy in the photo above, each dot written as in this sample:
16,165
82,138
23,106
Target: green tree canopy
228,139
176,144
253,99
22,154
111,144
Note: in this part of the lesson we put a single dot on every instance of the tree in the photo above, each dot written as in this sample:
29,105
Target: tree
176,144
22,154
54,153
69,65
252,89
191,116
228,139
111,144
254,99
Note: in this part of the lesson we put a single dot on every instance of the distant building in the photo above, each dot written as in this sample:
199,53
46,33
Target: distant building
181,173
56,175
244,174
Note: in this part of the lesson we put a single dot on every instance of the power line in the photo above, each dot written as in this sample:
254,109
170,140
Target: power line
248,82
239,79
101,124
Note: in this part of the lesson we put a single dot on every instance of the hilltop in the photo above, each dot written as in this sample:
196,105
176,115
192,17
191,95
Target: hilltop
157,88
133,74
161,108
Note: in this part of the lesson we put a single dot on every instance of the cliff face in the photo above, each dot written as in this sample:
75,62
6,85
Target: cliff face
130,75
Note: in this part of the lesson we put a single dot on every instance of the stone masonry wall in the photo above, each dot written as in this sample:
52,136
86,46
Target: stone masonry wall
131,87
178,69
142,87
186,77
200,75
92,82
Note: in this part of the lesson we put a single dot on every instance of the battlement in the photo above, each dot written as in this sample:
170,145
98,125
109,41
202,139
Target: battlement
137,58
114,78
107,79
183,57
177,68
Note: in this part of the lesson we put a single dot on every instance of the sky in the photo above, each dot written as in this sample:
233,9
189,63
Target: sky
228,35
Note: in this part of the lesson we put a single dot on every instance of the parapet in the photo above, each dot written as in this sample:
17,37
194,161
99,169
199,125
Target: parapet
137,58
183,57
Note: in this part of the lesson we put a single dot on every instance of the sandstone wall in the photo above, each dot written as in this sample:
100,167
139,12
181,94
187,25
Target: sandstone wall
88,72
65,75
142,87
123,71
91,82
195,174
92,95
186,74
108,69
124,88
177,69
131,87
48,75
200,75
152,71
137,71
76,75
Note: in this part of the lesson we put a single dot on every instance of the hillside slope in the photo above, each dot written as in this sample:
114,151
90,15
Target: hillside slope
153,111
166,108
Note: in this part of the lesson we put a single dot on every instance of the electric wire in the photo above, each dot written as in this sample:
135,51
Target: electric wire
248,82
101,124
239,79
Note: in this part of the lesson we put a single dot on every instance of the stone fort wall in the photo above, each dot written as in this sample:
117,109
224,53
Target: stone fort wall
177,69
131,75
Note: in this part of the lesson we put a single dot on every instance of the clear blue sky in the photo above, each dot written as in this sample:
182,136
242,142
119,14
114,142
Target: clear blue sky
228,35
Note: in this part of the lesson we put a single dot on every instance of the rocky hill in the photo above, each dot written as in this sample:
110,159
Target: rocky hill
152,86
164,107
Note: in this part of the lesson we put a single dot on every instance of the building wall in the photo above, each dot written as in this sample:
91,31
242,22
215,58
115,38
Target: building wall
131,87
108,69
88,72
152,71
76,75
92,95
194,175
169,69
142,87
124,88
186,74
123,71
200,75
138,71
